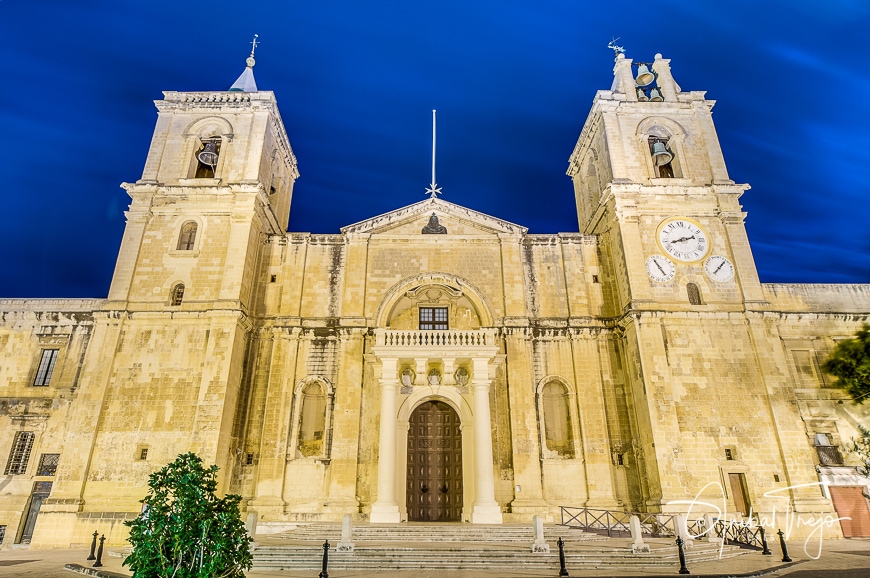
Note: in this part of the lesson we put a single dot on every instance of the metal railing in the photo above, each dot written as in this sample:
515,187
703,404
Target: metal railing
616,524
739,534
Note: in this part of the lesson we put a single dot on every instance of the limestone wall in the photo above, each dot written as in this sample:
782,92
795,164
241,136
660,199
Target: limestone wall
27,328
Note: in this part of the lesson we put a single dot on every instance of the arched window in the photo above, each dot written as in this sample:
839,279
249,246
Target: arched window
176,296
558,434
694,294
206,157
187,237
311,437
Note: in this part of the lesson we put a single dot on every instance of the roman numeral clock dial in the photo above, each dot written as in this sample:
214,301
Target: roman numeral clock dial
683,239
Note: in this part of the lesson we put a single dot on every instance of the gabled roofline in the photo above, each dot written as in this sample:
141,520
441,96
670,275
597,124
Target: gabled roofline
404,214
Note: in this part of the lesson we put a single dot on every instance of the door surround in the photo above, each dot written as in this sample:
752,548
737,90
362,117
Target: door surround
462,408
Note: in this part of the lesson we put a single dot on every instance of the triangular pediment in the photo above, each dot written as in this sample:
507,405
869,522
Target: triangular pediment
456,219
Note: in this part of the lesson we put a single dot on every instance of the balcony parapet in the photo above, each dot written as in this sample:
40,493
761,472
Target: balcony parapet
429,339
451,343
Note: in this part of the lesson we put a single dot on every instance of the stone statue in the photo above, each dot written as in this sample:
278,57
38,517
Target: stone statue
434,227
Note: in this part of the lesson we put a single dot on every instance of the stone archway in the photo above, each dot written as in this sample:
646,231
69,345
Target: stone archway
433,485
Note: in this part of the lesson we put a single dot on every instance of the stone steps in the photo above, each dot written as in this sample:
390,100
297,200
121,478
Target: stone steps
447,547
396,558
430,533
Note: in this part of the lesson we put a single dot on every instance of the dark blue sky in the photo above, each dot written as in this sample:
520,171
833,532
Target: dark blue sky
356,83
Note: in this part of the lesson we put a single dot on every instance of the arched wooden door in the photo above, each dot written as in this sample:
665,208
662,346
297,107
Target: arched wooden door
434,480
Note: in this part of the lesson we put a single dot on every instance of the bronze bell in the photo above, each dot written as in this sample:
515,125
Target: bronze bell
208,155
644,76
655,95
660,154
641,95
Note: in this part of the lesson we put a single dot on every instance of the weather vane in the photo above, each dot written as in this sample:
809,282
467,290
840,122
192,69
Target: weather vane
617,50
433,190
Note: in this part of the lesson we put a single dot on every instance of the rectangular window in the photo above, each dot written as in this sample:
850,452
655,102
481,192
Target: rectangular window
20,454
433,318
46,367
47,464
2,533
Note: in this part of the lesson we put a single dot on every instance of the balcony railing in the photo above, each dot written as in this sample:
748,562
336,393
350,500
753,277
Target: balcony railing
829,455
450,338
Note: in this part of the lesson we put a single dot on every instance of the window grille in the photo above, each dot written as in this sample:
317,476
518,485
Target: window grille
2,533
46,367
20,454
47,464
433,318
829,455
187,237
177,295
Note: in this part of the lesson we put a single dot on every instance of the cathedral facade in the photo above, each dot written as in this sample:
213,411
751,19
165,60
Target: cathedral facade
433,363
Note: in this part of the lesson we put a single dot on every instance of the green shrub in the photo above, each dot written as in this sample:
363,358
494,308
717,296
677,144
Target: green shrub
185,531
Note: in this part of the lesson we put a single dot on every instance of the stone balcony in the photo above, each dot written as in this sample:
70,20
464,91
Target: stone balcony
452,343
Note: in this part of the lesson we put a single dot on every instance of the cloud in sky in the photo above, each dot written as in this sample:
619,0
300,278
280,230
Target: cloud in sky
356,83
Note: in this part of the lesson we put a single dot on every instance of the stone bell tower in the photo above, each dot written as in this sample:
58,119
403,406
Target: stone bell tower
212,204
650,180
689,311
218,179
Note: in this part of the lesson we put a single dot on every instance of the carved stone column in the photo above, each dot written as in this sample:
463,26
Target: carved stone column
486,510
385,510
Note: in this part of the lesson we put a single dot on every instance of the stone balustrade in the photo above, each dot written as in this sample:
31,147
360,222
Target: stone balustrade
435,339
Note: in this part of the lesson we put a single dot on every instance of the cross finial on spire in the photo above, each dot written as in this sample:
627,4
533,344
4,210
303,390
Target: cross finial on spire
434,190
250,61
245,82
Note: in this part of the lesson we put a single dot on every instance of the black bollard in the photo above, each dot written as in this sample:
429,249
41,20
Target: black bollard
93,547
323,572
683,569
562,570
99,562
766,550
783,547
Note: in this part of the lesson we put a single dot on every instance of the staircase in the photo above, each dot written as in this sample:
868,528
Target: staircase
459,546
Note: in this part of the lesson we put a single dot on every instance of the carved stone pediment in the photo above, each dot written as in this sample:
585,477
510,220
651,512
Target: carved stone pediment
416,219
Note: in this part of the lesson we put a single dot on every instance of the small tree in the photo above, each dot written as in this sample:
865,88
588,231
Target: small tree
861,447
850,364
184,530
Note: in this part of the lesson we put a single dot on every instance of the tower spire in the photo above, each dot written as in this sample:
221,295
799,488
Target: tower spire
245,82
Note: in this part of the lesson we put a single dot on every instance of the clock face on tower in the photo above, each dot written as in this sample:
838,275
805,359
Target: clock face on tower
683,239
660,268
719,268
